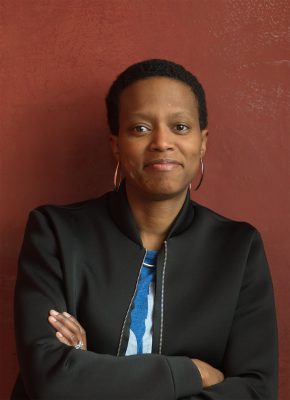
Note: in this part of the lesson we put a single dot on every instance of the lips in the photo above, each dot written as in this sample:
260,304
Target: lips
163,164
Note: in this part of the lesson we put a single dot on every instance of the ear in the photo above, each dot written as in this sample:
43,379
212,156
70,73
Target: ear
114,142
204,136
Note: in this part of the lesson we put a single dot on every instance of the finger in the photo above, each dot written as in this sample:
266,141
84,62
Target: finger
76,322
68,322
71,323
71,335
68,316
73,319
62,339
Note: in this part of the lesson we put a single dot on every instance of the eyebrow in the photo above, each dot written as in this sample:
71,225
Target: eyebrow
173,115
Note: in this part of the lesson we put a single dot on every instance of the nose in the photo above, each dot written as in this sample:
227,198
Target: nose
161,139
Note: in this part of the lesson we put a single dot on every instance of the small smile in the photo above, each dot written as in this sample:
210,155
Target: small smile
163,164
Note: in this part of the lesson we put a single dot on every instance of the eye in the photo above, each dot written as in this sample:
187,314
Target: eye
181,128
141,129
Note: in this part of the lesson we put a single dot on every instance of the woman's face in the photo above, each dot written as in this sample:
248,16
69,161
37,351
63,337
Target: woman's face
160,143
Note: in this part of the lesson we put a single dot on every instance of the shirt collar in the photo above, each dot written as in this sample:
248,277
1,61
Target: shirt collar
122,215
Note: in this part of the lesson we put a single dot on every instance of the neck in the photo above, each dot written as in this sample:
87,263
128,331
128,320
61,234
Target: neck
154,218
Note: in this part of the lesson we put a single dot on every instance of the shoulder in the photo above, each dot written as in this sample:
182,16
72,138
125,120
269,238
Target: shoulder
223,225
76,213
81,206
211,215
238,240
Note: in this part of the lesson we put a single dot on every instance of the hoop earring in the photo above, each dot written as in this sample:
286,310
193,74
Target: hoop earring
117,184
201,177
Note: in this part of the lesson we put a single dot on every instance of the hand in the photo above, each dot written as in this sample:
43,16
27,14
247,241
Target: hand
209,375
68,330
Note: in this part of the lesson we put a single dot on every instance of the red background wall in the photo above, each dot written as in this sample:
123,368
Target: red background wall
58,59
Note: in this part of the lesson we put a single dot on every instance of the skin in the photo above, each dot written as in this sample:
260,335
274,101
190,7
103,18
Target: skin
68,330
159,147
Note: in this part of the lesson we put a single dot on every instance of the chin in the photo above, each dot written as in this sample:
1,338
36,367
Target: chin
159,193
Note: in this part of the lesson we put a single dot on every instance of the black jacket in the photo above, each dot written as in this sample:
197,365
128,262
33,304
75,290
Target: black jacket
214,302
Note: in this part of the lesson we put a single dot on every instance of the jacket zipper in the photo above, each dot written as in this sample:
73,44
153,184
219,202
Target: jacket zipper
129,307
162,298
162,302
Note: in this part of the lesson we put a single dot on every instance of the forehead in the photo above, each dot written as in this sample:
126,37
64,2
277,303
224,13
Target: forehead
160,92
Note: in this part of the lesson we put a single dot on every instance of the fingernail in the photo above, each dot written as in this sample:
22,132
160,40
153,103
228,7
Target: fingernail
59,334
53,312
66,314
52,319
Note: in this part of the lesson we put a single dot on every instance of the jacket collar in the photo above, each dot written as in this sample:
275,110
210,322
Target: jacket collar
122,215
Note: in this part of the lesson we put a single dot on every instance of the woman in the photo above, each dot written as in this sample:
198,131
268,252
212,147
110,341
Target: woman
166,298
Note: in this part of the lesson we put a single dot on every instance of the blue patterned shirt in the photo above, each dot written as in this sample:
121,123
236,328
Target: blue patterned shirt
140,338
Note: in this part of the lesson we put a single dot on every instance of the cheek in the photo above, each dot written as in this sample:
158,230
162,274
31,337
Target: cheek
131,152
130,159
194,149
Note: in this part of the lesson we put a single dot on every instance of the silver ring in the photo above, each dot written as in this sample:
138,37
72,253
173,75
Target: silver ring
79,345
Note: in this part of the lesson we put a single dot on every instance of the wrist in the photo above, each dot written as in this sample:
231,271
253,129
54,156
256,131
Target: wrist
202,371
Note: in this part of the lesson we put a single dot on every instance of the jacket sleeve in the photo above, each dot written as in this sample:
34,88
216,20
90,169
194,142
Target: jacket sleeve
251,358
51,370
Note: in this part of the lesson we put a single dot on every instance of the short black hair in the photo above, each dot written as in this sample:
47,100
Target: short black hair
147,69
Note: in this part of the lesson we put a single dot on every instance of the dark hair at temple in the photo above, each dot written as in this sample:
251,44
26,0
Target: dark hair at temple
147,69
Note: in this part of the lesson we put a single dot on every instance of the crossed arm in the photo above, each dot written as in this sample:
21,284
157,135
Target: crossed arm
70,332
53,369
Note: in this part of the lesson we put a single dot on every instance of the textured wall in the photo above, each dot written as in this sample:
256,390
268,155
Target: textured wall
58,58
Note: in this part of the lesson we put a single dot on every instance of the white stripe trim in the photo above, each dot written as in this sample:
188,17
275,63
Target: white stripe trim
148,265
